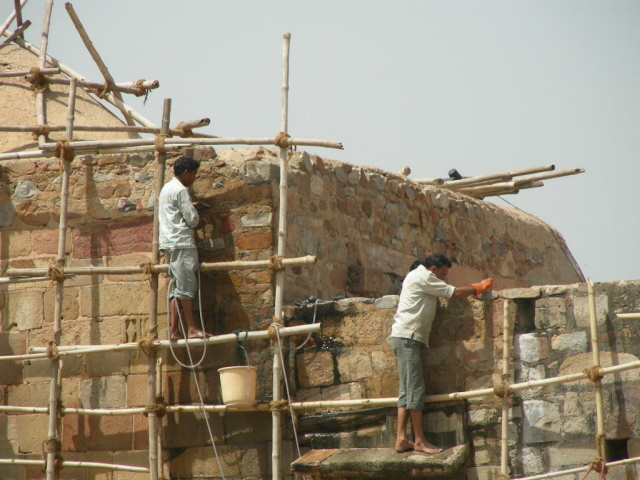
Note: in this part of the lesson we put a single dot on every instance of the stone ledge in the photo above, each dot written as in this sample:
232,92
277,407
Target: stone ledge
381,463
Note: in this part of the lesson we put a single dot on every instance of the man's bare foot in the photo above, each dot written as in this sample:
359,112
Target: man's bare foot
175,336
426,447
404,446
198,334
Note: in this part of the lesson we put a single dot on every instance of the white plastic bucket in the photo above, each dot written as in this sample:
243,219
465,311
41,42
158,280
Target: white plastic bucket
238,385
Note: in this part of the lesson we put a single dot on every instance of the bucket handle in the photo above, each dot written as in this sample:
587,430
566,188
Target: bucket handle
241,352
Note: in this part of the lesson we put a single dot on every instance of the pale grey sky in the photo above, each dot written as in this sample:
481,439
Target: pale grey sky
481,86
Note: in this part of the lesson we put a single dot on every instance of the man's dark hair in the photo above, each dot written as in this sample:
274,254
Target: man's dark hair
183,164
415,265
437,260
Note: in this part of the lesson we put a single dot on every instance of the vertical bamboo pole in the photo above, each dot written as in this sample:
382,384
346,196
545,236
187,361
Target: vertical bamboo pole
54,387
152,375
96,58
600,434
276,454
159,396
41,112
18,10
506,357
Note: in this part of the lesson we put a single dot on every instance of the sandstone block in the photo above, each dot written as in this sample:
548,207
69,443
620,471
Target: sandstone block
388,301
25,309
581,310
96,433
116,299
45,242
529,347
70,307
256,219
575,342
254,241
201,462
104,392
114,238
28,395
574,454
189,430
533,292
16,242
315,369
31,432
259,172
241,428
354,365
542,422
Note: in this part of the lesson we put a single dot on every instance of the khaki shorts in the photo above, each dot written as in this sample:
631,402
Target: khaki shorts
183,268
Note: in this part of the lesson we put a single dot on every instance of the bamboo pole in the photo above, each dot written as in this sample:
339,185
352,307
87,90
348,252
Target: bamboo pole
152,374
72,73
498,189
72,463
54,387
6,281
97,59
528,171
41,113
628,316
139,142
127,87
18,9
44,71
19,32
13,15
429,181
546,176
100,128
205,267
506,374
159,399
276,415
467,182
561,473
600,434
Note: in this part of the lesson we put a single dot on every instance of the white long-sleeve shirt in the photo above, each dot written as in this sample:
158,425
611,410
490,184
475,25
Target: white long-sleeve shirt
177,216
417,304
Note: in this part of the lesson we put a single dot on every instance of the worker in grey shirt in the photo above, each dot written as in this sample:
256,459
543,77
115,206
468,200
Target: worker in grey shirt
178,218
410,334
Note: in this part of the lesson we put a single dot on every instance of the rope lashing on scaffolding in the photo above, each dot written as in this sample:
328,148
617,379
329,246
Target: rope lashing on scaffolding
594,373
63,151
55,272
599,437
148,346
275,263
599,465
39,82
273,329
502,389
160,409
42,130
107,87
52,445
279,405
147,267
282,140
60,409
184,131
52,351
159,143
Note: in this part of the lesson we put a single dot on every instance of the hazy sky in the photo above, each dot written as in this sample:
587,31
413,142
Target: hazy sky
481,86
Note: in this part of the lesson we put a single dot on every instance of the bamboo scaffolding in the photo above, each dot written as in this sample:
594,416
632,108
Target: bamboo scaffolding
139,142
44,71
13,15
6,281
205,267
276,415
429,181
18,9
128,87
498,189
72,73
506,374
600,434
19,32
528,171
101,128
560,473
72,463
152,356
159,399
546,176
41,113
473,181
98,60
162,344
628,316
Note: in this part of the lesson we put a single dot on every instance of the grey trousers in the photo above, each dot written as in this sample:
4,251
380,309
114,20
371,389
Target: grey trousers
411,378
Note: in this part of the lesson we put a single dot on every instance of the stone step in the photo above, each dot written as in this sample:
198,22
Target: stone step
381,463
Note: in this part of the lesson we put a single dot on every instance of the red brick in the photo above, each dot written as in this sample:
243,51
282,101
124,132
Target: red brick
113,237
254,241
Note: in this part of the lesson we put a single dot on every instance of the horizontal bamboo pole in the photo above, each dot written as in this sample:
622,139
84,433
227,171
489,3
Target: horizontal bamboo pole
5,281
72,463
44,71
428,181
127,87
205,267
628,316
467,182
545,176
87,151
528,171
98,128
138,142
560,473
40,352
498,188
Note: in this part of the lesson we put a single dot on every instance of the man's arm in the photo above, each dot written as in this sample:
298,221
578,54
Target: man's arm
473,289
